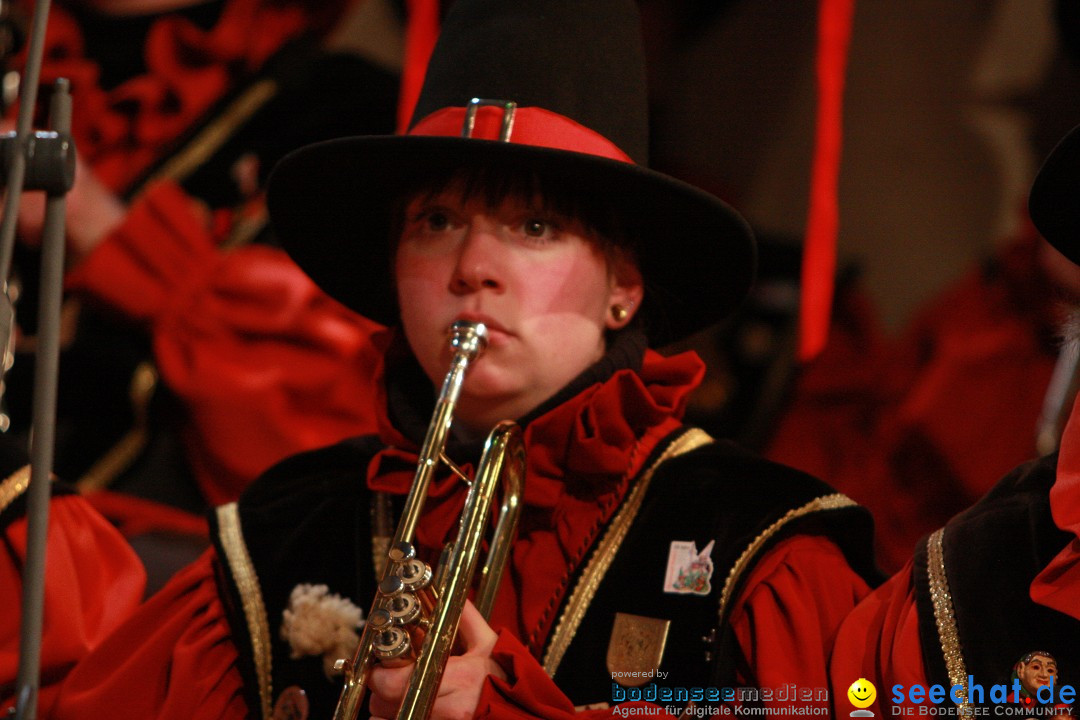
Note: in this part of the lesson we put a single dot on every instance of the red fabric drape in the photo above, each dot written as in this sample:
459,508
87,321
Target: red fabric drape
420,35
819,254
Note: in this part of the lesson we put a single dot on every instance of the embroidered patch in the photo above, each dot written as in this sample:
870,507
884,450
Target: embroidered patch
636,648
689,571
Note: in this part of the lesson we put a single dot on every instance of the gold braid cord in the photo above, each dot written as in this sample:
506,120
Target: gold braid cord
13,486
243,572
209,140
944,614
144,381
833,501
215,134
602,557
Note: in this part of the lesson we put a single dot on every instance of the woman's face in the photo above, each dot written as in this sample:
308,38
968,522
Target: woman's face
545,291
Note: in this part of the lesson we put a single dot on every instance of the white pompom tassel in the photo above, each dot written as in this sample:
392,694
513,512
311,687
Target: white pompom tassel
318,622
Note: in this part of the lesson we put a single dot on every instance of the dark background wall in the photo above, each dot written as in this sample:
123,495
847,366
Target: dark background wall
949,107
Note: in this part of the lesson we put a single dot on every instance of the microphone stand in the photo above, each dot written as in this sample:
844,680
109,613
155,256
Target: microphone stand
1058,398
38,161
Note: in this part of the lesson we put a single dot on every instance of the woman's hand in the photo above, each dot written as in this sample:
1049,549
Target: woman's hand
462,681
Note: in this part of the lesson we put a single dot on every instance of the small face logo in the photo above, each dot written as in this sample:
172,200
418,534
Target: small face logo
862,693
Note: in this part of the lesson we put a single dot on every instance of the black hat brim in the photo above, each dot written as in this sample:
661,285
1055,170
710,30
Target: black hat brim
330,206
1054,203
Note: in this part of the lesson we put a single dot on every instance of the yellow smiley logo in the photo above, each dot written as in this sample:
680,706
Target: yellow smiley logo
862,693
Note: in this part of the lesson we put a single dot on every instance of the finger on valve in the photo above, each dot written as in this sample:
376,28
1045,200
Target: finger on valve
474,634
387,686
463,677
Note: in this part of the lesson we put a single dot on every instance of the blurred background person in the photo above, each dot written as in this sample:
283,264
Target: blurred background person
196,354
1000,578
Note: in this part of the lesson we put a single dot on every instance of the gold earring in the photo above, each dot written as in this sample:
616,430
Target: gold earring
619,312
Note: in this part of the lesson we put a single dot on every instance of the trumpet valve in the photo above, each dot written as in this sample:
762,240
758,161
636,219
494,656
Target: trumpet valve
415,575
390,641
402,606
401,552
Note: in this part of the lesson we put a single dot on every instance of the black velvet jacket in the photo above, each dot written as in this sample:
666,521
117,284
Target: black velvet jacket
984,561
310,520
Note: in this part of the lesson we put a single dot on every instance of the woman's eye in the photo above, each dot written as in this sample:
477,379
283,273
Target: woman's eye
535,227
437,220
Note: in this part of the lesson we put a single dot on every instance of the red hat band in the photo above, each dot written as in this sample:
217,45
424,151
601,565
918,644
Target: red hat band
498,120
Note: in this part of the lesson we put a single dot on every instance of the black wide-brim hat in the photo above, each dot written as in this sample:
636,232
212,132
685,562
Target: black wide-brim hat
574,72
1054,203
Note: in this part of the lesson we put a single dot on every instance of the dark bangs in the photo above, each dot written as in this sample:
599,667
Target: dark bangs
560,196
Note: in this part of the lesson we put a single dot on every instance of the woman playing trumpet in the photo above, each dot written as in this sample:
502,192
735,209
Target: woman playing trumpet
647,556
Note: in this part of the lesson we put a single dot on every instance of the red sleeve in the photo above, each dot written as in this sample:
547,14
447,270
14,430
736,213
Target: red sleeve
879,641
163,247
264,362
787,618
93,582
785,623
172,660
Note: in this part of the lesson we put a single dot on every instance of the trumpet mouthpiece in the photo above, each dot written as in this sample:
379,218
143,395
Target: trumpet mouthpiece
468,338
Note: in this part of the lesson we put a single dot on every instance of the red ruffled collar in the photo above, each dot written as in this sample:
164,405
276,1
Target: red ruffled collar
581,457
122,132
1058,585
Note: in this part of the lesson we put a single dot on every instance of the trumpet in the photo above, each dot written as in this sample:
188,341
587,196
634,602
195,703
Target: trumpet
416,612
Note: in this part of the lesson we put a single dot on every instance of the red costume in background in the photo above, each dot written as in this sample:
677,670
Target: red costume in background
93,583
883,639
263,362
918,429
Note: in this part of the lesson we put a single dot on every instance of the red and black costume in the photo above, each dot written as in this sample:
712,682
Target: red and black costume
1003,577
1009,566
588,449
226,322
227,326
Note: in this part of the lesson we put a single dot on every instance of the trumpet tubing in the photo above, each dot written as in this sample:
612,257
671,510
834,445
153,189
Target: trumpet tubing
415,614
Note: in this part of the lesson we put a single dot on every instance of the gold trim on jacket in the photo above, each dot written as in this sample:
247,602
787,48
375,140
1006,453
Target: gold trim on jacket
605,551
247,583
